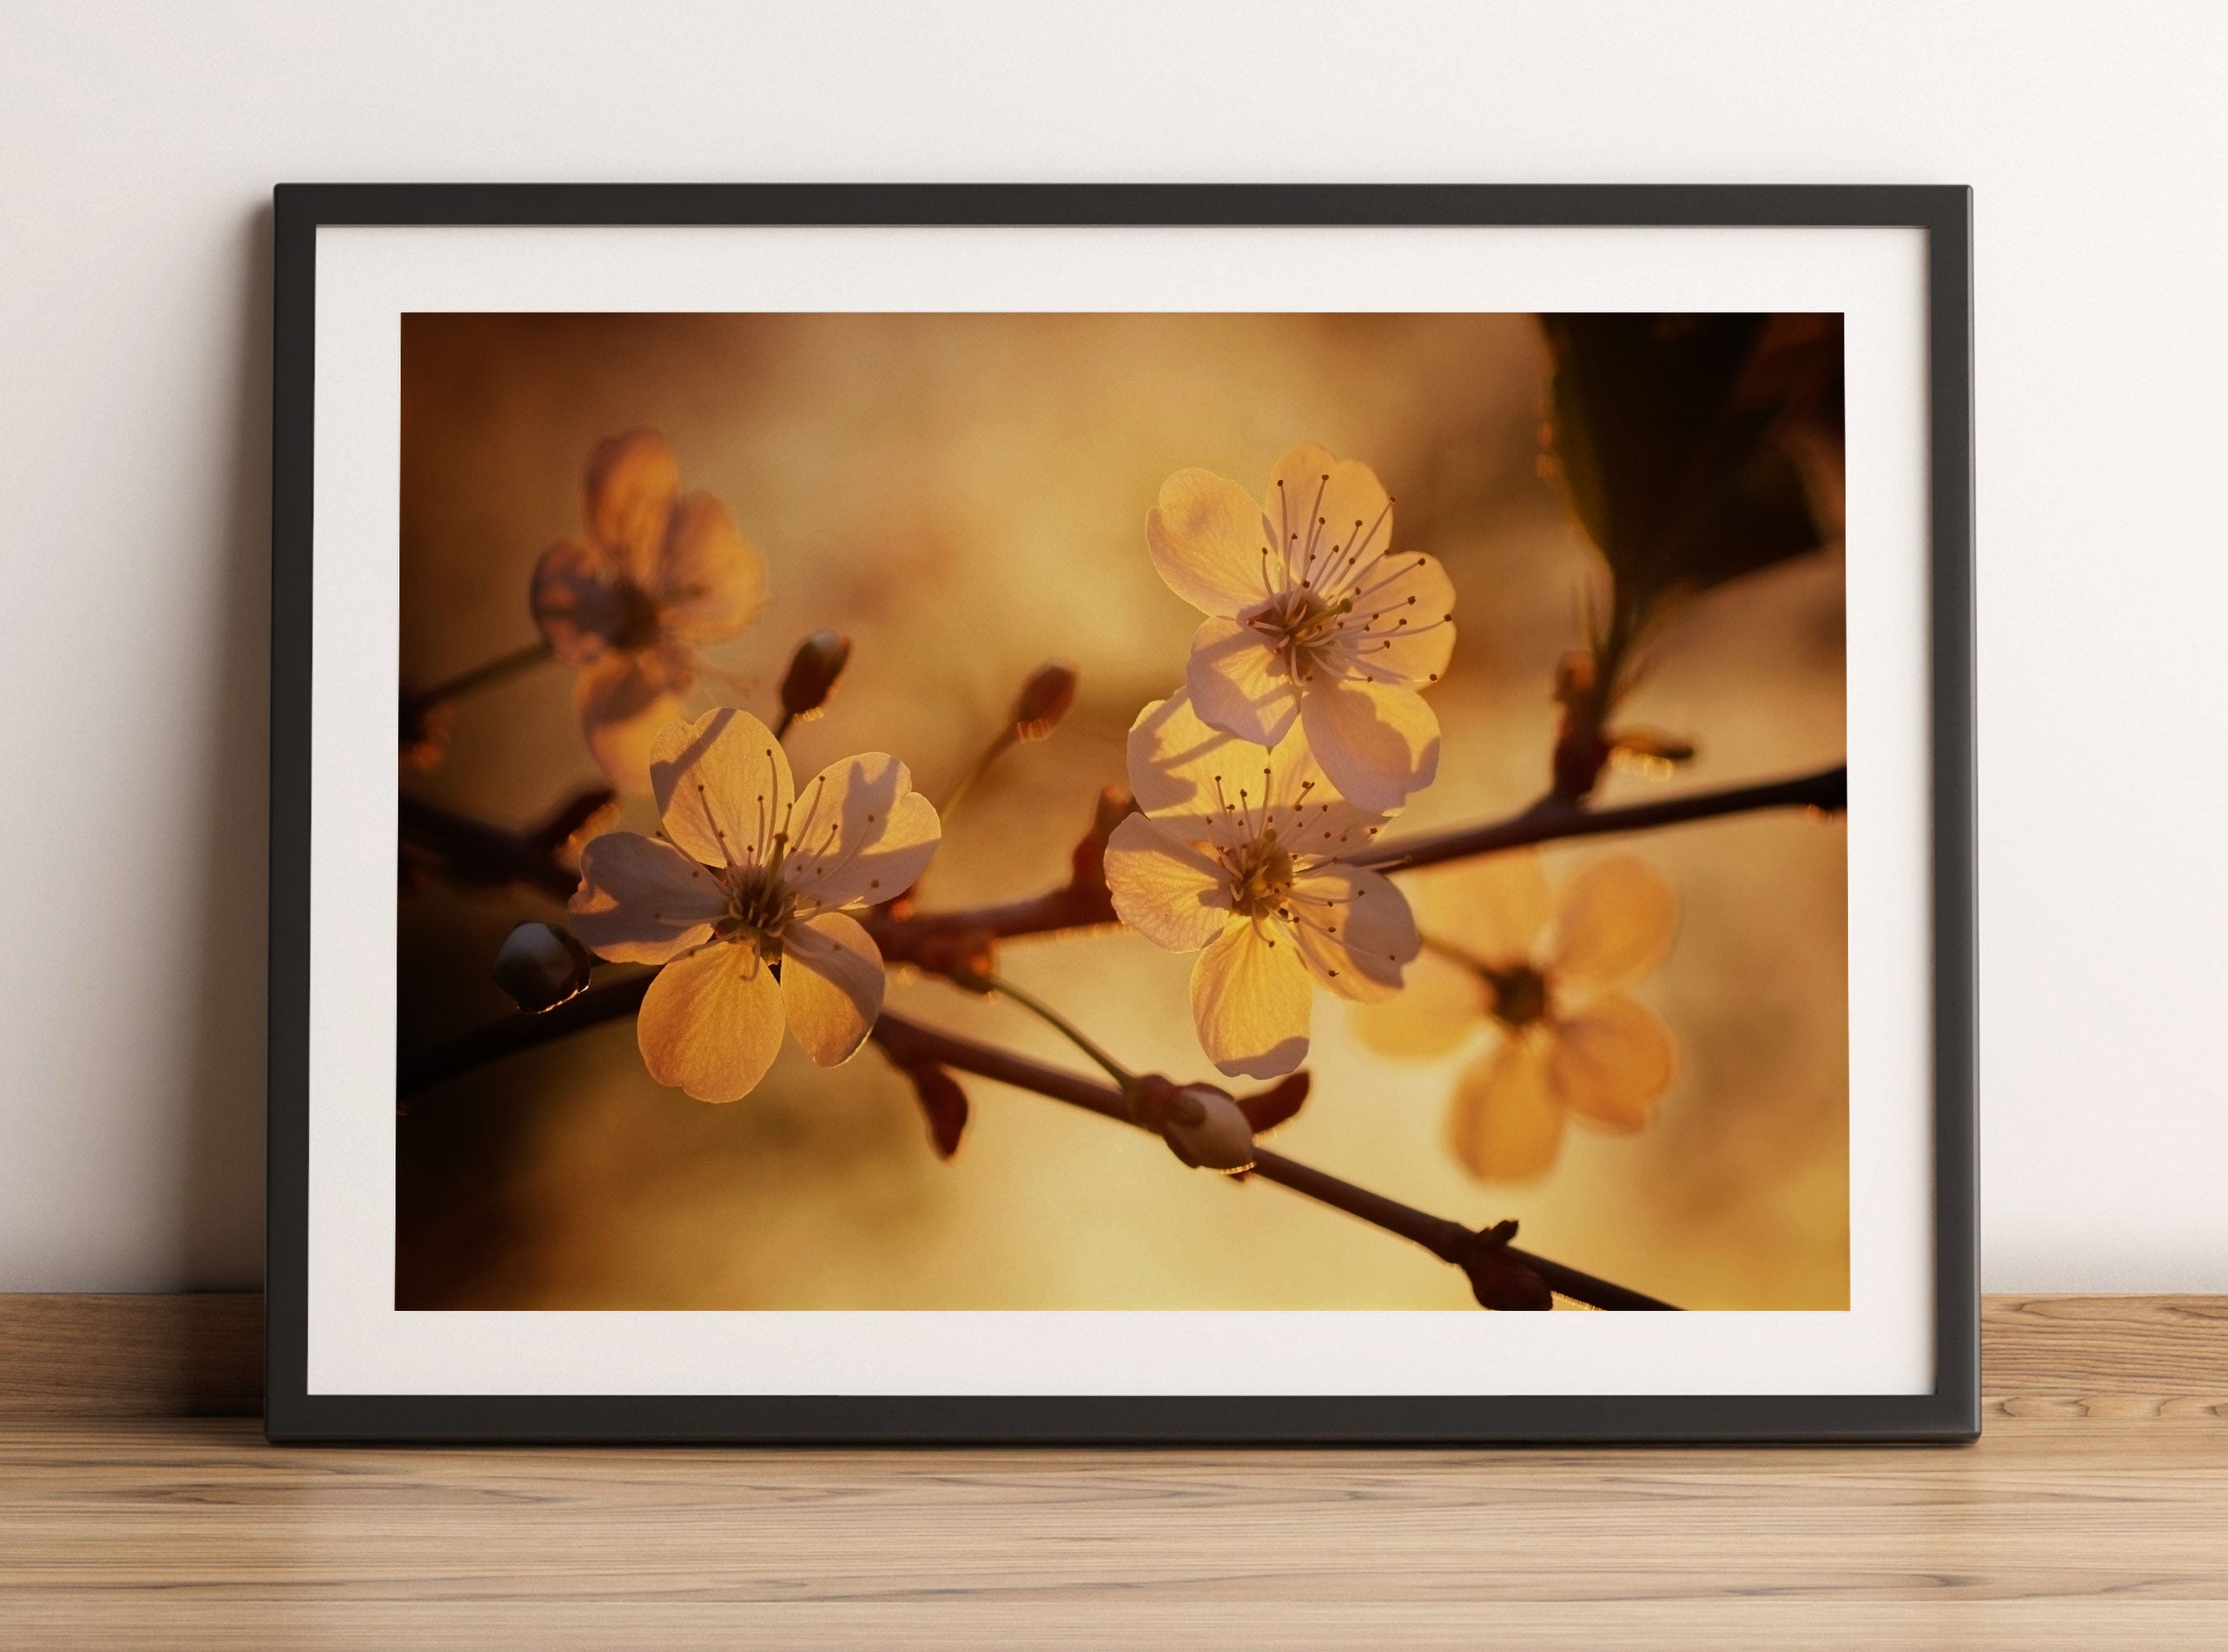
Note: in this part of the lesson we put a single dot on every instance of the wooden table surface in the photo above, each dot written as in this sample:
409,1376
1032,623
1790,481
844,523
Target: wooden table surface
2093,1513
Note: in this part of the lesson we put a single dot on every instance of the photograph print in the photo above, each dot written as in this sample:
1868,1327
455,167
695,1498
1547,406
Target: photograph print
1118,811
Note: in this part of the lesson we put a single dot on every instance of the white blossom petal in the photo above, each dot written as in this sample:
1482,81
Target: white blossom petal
1355,932
632,480
1610,1062
1401,629
711,582
1378,743
1251,1001
1332,519
1505,1124
1207,539
1207,786
1614,922
1168,891
860,832
575,600
624,714
722,785
642,900
711,1022
831,984
1238,684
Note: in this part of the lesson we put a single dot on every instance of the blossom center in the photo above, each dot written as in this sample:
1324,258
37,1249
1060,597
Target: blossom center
1260,877
759,905
1519,995
1298,624
638,625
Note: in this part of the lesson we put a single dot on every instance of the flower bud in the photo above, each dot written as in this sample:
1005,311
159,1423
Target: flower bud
1501,1282
1220,1140
1047,696
541,967
425,732
819,660
1498,1280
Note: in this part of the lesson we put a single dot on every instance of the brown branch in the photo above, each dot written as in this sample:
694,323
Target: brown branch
1470,1250
472,851
1477,1252
1548,820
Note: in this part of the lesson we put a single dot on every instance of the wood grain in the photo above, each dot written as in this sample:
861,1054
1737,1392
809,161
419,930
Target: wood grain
149,1356
2093,1513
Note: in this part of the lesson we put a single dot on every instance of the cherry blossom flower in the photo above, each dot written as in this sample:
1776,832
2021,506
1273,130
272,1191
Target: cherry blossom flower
1311,619
740,900
1240,851
656,575
1548,975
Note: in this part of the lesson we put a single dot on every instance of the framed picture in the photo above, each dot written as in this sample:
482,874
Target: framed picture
1138,814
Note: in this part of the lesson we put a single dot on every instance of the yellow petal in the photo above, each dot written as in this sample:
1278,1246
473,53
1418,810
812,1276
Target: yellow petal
625,714
711,1022
711,582
1439,1007
1207,539
632,480
1354,931
1614,922
1495,907
860,833
1250,1001
1506,1125
831,985
1333,518
722,785
1610,1062
1166,890
1377,742
642,900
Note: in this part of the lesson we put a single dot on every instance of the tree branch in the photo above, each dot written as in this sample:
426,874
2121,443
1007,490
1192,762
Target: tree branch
1548,820
908,1043
473,852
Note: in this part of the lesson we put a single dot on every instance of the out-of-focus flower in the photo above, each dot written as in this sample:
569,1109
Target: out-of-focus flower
1240,851
742,905
1548,975
1311,619
656,575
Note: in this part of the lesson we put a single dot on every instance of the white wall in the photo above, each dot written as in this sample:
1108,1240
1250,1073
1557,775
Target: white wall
137,145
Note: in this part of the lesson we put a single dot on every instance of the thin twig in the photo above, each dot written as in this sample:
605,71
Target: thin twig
480,676
908,1042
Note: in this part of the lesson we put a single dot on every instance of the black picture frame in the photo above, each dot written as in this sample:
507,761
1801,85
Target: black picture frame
1950,1411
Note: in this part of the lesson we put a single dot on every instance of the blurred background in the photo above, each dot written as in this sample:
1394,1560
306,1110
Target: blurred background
965,497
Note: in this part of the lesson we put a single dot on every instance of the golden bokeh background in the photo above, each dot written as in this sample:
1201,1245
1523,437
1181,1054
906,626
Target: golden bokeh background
965,497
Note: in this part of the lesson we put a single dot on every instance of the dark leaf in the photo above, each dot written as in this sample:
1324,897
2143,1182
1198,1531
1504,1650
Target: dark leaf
1682,440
